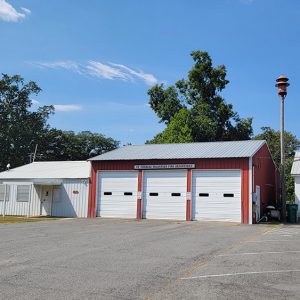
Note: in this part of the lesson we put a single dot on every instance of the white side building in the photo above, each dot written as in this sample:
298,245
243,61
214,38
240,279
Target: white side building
296,174
57,188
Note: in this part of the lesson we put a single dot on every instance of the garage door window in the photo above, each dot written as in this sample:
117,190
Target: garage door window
107,193
23,192
228,195
204,195
127,193
176,194
153,194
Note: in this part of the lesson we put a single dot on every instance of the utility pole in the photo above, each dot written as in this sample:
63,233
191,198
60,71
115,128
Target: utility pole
282,84
34,155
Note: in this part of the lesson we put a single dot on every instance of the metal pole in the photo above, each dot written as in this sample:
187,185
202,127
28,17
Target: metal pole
282,160
4,203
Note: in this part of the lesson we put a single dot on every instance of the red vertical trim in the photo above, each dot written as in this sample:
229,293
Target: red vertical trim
92,193
245,192
188,198
188,210
139,209
139,197
140,180
189,180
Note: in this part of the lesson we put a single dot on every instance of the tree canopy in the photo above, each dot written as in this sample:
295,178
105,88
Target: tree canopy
193,109
273,139
67,145
22,127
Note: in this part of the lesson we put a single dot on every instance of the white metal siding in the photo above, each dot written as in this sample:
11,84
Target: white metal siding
35,202
111,200
71,204
17,208
297,193
164,205
212,205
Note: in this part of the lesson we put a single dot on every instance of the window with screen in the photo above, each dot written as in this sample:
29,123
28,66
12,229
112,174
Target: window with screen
2,192
23,193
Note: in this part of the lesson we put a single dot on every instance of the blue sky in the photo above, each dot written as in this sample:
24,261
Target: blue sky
96,59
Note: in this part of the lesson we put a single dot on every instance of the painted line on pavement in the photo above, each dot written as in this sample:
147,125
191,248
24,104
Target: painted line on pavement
267,241
258,253
238,274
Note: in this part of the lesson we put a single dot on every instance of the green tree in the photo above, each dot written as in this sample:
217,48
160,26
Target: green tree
20,127
210,118
68,145
273,139
178,131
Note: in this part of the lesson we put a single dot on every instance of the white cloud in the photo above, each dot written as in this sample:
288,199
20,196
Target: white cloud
110,71
9,14
98,69
26,10
60,107
68,65
67,107
148,78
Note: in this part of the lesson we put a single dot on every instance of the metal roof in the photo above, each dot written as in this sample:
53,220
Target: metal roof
296,164
49,170
184,151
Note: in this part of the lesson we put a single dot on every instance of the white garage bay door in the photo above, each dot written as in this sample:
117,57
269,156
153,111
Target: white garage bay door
164,194
217,195
117,194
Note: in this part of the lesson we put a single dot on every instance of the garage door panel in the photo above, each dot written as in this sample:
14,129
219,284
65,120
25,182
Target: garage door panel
169,201
117,194
217,195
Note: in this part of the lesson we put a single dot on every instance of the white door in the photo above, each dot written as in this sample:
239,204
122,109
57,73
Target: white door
46,201
217,195
58,207
164,194
257,200
117,194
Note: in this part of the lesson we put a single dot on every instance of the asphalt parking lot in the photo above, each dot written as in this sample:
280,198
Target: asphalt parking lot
128,259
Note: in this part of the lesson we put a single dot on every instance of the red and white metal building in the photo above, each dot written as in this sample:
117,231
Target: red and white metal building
217,181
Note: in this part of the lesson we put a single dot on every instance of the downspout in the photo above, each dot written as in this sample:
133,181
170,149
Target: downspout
253,187
4,203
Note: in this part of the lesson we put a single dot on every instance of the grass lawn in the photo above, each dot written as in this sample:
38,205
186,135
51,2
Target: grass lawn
14,219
